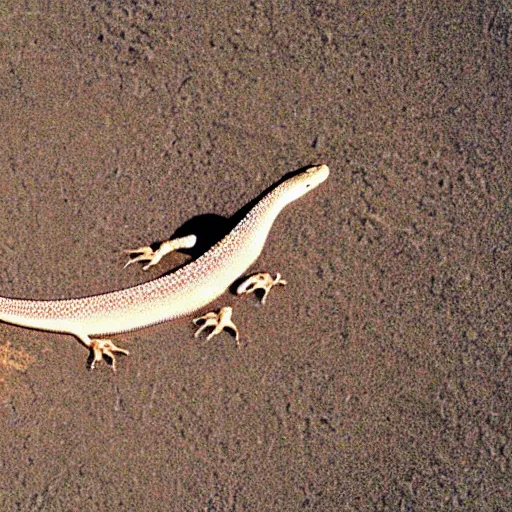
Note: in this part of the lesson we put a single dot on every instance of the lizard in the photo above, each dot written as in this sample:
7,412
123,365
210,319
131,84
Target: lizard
175,295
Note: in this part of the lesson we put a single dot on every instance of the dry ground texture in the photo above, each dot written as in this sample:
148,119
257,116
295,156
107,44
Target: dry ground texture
380,377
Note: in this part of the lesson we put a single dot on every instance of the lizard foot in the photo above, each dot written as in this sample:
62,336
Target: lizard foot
146,253
220,321
262,281
101,348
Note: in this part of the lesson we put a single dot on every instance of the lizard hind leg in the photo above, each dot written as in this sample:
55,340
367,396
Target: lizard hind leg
100,349
220,321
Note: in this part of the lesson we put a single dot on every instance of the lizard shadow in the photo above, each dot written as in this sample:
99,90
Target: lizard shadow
211,228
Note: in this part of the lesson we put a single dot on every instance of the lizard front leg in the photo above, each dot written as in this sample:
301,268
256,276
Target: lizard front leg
146,253
262,281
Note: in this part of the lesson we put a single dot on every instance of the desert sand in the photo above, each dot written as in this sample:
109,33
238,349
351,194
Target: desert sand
380,377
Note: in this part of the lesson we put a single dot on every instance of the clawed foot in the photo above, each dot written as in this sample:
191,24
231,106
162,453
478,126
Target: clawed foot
220,321
262,281
147,254
101,348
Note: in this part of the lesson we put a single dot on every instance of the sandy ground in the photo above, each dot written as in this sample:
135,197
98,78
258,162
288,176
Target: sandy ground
380,378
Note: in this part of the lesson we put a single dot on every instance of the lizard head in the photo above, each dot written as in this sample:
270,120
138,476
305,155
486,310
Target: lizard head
304,182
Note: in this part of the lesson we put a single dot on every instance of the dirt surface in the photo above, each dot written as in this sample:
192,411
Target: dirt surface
380,378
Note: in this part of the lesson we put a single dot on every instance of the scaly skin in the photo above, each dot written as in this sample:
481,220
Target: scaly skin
173,296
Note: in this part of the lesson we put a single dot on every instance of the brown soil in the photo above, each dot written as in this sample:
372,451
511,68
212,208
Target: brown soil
380,377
